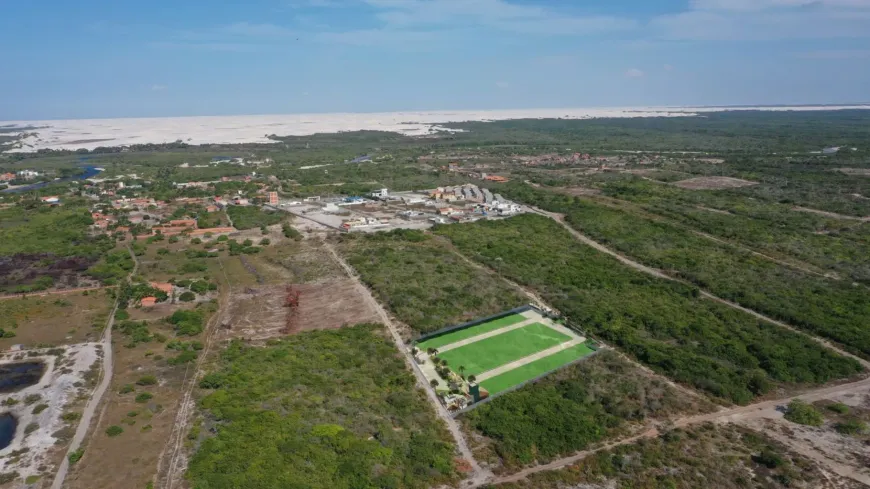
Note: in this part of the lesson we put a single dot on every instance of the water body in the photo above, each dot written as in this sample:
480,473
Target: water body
8,424
17,376
89,172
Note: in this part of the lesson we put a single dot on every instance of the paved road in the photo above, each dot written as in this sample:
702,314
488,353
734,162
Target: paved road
479,476
97,396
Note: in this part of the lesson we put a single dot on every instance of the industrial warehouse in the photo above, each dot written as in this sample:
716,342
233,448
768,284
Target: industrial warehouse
383,210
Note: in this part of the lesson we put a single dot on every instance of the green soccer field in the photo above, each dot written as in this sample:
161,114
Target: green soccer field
529,371
470,332
487,354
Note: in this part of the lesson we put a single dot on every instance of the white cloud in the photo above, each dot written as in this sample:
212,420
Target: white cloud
158,88
757,5
770,24
497,14
502,84
635,73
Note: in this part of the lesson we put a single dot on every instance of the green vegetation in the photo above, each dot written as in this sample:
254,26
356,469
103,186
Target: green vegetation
465,333
735,458
578,405
423,282
489,353
803,413
113,267
833,309
182,358
144,397
291,232
76,455
839,408
40,408
729,354
133,293
136,332
147,380
534,369
250,217
58,231
370,429
851,426
114,430
187,322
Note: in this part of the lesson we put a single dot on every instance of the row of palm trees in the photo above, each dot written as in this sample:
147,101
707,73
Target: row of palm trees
443,363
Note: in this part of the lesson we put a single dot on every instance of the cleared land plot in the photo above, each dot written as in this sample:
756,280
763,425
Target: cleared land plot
713,183
470,332
332,305
327,299
498,350
54,320
534,369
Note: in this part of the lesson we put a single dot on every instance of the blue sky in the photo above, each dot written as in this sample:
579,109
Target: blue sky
100,58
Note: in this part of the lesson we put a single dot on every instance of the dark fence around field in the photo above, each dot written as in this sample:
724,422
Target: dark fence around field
452,329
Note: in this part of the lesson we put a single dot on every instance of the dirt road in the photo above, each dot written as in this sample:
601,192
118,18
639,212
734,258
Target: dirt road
759,410
53,292
660,274
97,396
172,461
479,475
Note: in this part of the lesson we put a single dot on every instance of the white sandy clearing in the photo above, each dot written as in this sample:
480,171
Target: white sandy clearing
92,133
57,389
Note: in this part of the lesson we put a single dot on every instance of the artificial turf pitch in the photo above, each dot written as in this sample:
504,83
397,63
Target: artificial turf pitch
464,334
534,369
487,354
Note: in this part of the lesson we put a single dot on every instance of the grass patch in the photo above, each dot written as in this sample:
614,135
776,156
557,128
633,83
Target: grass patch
470,332
487,354
531,370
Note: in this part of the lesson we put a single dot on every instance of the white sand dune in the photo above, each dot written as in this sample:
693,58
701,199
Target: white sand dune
92,133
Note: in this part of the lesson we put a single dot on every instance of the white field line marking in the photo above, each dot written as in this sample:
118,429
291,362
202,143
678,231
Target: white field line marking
480,337
529,359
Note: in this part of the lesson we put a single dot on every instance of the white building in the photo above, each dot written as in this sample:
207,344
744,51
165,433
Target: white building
381,194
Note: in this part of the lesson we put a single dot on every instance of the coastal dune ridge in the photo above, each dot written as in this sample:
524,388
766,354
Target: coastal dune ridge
92,133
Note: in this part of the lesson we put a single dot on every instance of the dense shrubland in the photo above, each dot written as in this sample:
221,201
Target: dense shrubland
727,353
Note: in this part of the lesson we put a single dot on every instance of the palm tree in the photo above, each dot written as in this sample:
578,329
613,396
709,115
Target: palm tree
462,371
472,379
433,383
